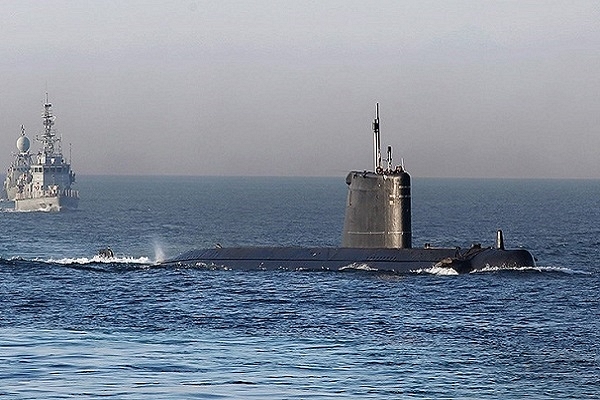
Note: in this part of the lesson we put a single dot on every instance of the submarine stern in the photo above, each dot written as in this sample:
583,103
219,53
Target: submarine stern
504,259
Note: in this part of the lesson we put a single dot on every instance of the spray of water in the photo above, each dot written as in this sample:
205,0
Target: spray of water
159,254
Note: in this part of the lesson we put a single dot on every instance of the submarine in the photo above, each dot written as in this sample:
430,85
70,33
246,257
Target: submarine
377,235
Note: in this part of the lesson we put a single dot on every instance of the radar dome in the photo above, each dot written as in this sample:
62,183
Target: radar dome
23,144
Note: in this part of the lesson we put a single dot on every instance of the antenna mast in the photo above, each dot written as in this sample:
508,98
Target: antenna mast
376,141
48,137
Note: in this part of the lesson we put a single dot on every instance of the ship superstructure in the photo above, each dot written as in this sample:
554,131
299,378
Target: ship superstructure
41,182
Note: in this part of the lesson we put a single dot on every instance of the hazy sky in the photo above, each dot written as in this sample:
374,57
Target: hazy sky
467,88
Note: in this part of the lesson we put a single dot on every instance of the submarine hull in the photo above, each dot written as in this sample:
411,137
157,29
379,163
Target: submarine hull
377,234
335,259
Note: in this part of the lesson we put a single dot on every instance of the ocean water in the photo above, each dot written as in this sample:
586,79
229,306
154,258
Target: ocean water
75,326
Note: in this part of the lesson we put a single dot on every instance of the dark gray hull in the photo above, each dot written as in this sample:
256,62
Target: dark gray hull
335,259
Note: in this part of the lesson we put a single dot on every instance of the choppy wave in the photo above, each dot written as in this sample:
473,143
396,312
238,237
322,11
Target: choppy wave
496,269
100,260
358,267
535,269
436,271
79,261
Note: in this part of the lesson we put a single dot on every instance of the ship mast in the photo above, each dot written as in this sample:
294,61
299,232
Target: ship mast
48,137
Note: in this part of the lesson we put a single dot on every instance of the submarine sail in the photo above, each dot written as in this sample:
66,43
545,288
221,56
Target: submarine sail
378,208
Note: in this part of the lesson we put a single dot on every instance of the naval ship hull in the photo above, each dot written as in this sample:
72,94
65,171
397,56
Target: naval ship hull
41,182
399,261
47,203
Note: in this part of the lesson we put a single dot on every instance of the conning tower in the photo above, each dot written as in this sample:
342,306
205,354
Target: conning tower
378,209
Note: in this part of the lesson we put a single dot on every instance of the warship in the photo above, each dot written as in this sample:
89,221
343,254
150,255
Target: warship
377,234
41,182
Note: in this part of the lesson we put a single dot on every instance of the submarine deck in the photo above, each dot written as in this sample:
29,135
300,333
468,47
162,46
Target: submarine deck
328,258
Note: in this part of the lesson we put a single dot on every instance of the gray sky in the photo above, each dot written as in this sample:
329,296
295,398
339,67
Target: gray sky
467,88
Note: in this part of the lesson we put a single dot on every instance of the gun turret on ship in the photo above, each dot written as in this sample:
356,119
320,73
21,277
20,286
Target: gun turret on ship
377,233
41,182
